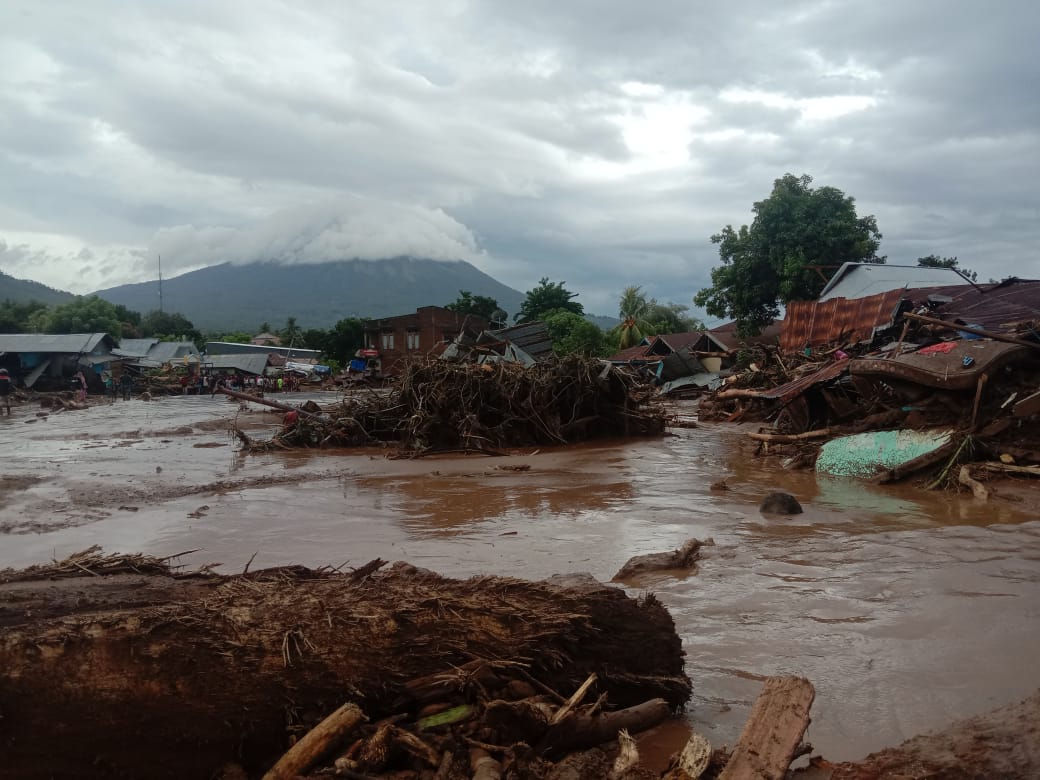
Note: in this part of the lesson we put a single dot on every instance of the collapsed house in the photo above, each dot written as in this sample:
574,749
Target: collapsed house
681,363
959,366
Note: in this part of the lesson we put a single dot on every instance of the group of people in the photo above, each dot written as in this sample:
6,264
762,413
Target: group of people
254,385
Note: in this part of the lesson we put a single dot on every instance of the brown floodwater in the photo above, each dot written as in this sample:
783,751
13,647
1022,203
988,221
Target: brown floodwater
907,609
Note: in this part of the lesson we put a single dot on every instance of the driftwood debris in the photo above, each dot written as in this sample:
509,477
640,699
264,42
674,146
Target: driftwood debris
317,743
439,405
685,557
772,736
127,670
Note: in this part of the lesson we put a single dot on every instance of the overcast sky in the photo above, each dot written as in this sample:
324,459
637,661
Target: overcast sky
595,142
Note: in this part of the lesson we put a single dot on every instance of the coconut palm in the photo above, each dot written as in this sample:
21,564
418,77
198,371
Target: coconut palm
633,309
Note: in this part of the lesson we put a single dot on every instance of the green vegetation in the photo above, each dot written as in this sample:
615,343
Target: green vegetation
479,305
572,334
934,261
795,230
547,297
642,317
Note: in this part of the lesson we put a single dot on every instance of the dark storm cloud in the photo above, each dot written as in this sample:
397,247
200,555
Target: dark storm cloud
601,143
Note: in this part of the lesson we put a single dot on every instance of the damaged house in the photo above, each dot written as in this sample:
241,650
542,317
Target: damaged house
45,361
391,340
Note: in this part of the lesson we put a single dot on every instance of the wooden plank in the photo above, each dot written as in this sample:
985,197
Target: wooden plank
773,732
1028,406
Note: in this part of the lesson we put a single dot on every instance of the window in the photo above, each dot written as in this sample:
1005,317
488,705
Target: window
413,339
388,341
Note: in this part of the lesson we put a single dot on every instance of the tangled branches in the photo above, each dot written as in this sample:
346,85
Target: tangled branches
439,405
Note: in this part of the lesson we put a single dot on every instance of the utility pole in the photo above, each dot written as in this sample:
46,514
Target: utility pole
160,283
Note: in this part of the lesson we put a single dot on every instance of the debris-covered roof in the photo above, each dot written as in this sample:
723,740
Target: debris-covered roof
638,352
1000,308
532,337
795,388
71,343
862,280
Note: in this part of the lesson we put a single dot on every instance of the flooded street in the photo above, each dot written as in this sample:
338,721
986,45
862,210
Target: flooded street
906,609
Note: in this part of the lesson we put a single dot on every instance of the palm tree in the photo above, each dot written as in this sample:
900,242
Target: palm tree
633,309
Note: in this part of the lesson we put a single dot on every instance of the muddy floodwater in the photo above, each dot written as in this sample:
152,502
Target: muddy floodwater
907,609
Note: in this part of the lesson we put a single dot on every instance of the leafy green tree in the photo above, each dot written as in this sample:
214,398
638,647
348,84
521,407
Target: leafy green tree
15,316
480,305
671,318
265,327
934,261
84,314
546,297
169,326
573,334
773,261
231,338
343,339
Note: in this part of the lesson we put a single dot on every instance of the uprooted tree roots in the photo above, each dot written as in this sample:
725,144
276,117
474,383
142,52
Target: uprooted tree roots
159,675
438,405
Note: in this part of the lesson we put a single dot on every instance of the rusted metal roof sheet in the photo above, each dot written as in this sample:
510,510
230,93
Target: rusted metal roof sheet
788,392
1004,308
815,322
1009,306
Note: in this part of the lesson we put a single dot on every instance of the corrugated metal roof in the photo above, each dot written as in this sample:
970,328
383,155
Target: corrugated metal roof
862,280
788,392
70,343
677,341
134,347
532,337
813,322
1007,307
248,364
233,348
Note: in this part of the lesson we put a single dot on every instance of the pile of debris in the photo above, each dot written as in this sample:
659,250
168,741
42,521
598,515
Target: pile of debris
926,391
437,405
126,670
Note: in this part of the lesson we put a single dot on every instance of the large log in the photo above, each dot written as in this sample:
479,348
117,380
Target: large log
773,732
157,676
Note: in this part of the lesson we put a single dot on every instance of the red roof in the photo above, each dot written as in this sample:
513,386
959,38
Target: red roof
632,353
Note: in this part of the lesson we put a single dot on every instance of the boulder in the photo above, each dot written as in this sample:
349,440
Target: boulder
780,503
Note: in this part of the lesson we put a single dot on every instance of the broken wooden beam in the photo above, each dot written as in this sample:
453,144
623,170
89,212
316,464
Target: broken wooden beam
316,743
976,331
770,740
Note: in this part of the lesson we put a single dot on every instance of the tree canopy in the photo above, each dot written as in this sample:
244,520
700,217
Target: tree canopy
547,297
934,261
479,305
573,334
642,317
795,230
85,314
169,325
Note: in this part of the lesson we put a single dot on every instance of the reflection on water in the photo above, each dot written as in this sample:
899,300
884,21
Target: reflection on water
906,608
435,504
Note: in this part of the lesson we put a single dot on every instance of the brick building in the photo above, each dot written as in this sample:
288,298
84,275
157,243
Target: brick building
413,335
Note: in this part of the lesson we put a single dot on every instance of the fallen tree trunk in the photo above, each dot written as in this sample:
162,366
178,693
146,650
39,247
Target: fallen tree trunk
160,676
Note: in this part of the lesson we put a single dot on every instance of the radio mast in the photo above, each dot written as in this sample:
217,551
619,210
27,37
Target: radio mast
160,283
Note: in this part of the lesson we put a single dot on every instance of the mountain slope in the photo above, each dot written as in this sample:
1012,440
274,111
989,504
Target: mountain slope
239,297
24,290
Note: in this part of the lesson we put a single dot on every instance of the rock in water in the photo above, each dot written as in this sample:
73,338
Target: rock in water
780,503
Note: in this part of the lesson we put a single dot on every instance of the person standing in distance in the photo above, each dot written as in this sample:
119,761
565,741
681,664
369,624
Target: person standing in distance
6,388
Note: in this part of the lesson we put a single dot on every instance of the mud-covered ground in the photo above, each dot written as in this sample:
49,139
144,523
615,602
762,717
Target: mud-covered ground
906,609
